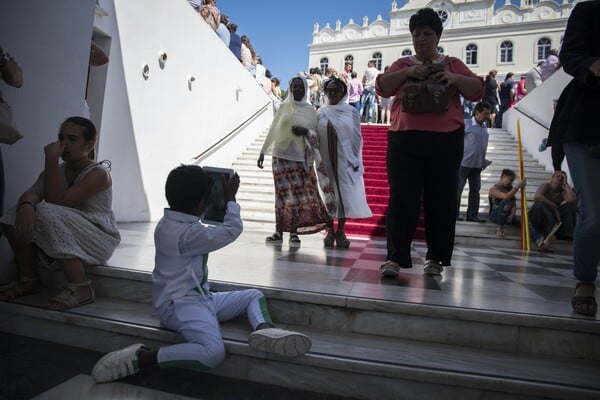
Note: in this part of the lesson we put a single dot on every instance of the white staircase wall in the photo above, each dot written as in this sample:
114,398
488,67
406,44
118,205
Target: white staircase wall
147,127
50,41
540,105
150,126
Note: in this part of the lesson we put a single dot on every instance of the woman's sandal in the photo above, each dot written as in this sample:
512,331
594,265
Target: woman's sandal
329,239
23,287
274,238
70,297
584,305
294,239
341,240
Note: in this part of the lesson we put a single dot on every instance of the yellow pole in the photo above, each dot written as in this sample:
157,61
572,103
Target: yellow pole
524,217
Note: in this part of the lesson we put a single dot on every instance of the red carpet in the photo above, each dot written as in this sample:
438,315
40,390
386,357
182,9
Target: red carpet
376,184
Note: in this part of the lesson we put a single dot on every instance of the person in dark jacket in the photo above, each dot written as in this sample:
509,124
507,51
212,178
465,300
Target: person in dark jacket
577,129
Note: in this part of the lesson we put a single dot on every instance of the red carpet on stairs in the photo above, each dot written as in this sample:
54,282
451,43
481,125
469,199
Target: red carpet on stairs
376,184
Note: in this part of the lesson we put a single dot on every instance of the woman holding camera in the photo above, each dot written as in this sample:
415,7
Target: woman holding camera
425,147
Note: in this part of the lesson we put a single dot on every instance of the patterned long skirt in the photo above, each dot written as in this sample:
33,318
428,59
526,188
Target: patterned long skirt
298,204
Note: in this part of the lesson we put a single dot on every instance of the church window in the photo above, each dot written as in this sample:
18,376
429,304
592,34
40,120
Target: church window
506,52
324,63
440,50
407,52
544,45
443,14
471,54
349,58
377,58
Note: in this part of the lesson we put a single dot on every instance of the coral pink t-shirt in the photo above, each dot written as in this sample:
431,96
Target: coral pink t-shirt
449,121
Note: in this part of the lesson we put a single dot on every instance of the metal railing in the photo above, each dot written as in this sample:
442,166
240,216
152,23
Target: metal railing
232,133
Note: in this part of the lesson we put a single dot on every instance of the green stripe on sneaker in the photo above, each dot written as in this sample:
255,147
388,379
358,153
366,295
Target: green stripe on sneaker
262,303
186,364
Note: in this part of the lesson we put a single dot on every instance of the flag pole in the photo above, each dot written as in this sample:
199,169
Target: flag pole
524,216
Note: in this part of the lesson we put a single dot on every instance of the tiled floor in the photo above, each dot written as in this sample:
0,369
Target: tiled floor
489,278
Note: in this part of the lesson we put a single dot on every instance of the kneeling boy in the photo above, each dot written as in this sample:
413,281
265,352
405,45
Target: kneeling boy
181,295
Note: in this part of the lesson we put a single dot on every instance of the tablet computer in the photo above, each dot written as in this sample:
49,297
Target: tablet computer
217,205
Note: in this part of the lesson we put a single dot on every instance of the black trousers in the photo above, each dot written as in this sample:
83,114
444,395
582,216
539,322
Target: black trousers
1,184
422,165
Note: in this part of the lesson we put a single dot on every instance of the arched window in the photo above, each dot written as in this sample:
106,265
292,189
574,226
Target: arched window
544,45
407,52
377,58
443,14
324,63
349,58
471,54
440,50
506,52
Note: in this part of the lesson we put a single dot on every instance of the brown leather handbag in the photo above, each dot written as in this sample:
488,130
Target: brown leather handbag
426,96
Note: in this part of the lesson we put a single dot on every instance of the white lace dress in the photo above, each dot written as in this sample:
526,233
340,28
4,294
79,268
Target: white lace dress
88,232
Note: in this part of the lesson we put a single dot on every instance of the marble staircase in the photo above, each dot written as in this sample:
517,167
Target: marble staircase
362,348
256,194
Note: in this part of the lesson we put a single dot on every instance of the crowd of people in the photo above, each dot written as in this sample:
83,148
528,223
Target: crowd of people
501,96
65,219
240,46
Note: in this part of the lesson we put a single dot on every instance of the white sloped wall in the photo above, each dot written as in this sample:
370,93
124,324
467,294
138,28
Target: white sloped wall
151,125
50,40
540,105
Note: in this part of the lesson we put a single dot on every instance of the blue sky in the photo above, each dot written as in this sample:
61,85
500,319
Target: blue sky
281,30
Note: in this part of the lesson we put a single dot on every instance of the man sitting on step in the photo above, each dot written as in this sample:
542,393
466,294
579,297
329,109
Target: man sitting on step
473,162
555,202
503,206
181,295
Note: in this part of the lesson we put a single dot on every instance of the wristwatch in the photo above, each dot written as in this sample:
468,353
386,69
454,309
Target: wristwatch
4,59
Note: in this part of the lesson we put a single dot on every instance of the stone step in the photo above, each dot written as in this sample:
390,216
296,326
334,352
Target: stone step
257,193
361,348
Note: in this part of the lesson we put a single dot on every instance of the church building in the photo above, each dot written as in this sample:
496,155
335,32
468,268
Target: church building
506,38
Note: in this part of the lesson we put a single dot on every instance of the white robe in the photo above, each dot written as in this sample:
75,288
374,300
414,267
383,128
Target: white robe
351,194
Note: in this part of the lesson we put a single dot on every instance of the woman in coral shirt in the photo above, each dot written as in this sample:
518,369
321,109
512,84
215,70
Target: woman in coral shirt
424,149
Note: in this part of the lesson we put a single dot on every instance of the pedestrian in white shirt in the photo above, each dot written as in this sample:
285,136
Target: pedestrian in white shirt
474,161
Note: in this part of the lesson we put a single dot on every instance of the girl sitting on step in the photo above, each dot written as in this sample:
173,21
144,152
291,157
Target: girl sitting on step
65,218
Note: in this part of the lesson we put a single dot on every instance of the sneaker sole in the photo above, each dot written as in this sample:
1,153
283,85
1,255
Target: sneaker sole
389,273
291,345
432,272
97,371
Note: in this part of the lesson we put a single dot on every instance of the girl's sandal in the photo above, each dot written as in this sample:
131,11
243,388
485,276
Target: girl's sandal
329,239
70,297
584,305
23,287
341,240
274,238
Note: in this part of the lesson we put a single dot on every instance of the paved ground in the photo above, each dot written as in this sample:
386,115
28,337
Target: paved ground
487,278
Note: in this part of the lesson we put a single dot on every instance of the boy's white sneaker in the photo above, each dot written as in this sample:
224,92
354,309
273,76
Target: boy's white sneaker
280,342
117,364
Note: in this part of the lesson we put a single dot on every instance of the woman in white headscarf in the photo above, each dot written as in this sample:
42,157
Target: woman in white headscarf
341,147
291,142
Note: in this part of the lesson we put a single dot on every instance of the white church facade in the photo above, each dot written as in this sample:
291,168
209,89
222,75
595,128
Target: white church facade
508,38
